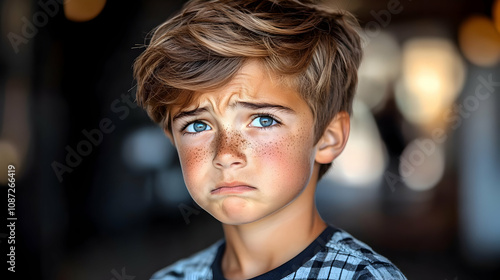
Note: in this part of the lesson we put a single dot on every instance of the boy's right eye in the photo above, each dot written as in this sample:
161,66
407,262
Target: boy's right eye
196,127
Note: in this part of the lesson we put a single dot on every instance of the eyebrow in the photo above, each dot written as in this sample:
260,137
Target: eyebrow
255,106
194,112
248,105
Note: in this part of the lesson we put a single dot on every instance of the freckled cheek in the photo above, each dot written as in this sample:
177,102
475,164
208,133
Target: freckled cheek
272,152
287,157
192,160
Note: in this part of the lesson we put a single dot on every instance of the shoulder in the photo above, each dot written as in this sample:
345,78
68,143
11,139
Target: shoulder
350,258
197,266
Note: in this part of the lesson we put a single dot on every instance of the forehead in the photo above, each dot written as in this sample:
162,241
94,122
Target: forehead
252,82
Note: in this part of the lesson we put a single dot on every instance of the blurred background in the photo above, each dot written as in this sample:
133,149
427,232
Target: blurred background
99,192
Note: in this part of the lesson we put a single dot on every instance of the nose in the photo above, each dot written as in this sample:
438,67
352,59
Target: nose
229,150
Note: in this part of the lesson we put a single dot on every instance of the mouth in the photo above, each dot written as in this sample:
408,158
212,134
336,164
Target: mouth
232,188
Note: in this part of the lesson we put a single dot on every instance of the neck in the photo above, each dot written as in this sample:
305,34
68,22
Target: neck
258,247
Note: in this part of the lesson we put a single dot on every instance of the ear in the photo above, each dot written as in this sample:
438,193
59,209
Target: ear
334,139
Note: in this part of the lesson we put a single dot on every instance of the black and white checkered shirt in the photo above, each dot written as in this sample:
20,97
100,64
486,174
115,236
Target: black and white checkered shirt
335,254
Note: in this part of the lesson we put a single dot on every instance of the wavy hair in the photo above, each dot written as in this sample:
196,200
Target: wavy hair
203,46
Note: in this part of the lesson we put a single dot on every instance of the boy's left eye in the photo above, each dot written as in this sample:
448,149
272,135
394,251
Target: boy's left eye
263,121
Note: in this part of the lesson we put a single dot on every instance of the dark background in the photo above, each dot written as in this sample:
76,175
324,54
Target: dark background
99,192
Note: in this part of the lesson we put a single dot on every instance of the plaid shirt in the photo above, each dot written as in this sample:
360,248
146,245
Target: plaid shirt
335,254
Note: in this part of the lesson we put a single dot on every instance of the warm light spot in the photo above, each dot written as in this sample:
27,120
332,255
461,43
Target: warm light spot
83,10
11,13
428,82
433,75
480,41
496,14
15,124
9,155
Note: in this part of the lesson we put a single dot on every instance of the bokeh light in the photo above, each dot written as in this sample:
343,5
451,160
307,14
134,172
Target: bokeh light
480,41
364,159
422,164
83,10
433,75
12,11
496,14
147,149
9,155
378,69
15,125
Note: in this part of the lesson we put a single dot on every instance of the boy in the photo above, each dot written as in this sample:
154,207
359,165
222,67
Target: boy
255,96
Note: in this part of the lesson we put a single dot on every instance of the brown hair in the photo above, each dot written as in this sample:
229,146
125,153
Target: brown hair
204,45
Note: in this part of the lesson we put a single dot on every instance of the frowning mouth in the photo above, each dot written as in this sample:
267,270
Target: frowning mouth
232,188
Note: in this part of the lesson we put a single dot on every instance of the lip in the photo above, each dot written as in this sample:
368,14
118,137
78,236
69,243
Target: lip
232,188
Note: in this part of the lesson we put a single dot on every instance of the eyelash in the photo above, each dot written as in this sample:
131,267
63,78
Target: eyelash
186,124
278,123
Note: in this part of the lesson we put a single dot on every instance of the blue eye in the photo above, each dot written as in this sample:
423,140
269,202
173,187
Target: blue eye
263,121
197,126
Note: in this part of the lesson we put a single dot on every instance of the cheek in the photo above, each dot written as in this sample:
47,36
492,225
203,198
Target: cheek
192,158
287,157
275,152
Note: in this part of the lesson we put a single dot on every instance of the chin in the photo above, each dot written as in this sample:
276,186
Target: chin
234,223
241,217
236,217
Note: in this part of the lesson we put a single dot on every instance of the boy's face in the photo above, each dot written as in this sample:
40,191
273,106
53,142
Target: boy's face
246,150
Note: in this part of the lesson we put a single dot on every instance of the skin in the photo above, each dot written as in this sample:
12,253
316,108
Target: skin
249,158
